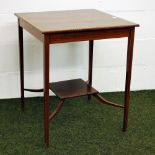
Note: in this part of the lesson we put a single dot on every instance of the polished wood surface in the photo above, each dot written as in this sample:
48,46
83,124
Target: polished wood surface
68,26
73,20
72,88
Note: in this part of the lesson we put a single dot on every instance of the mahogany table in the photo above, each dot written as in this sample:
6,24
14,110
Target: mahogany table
70,26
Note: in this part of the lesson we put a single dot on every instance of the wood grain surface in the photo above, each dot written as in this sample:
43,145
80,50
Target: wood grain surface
73,20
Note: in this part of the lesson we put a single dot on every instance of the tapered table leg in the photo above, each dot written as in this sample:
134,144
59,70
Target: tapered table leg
46,91
91,44
128,77
21,60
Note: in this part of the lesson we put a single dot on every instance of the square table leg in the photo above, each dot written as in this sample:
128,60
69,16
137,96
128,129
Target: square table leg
128,77
90,64
21,60
46,90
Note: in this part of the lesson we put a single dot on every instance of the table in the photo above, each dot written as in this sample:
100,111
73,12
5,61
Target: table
71,26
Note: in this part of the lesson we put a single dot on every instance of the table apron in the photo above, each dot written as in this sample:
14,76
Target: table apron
87,35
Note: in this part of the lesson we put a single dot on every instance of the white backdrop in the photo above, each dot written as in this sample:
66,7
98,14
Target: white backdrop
71,60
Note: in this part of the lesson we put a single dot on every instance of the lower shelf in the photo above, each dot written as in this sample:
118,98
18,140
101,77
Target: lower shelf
72,88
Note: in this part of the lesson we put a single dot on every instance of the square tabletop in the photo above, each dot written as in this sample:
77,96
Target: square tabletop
73,20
